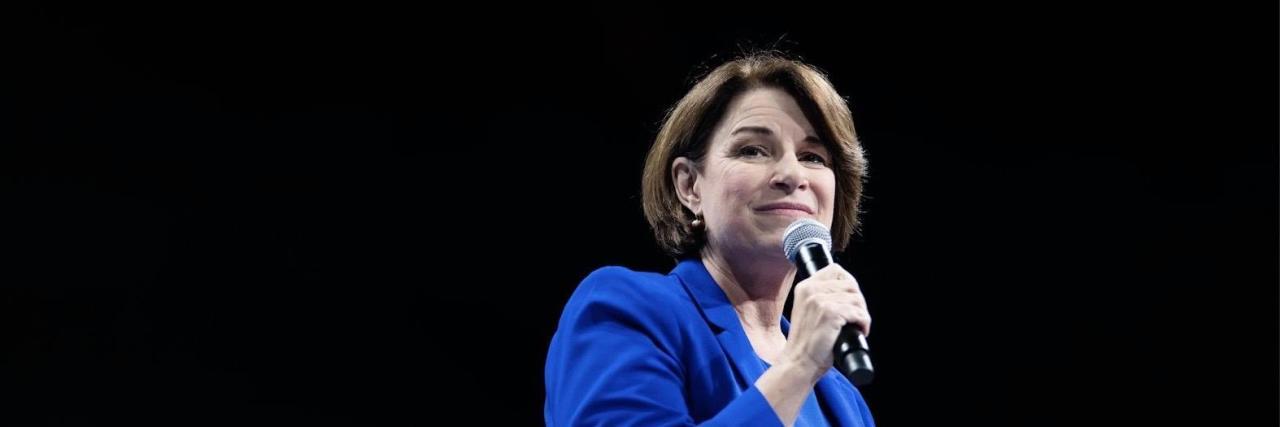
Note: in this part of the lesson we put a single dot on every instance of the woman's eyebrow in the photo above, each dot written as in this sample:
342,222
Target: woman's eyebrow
764,131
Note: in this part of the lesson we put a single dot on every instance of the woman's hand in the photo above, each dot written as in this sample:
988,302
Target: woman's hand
823,304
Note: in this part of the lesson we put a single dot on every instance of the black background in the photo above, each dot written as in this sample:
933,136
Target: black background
371,215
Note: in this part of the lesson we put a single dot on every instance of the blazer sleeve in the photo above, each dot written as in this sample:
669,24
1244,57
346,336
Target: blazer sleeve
616,360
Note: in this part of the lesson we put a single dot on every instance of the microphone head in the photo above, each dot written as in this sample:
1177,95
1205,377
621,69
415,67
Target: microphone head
804,231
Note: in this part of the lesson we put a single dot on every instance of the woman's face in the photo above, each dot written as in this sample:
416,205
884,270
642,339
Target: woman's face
765,168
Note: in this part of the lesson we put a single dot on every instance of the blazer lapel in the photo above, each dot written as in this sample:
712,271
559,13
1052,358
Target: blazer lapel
719,313
835,392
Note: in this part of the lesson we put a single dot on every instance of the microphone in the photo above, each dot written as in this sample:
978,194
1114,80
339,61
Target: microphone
807,243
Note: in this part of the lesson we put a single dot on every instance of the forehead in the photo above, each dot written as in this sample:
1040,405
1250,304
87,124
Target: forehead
766,106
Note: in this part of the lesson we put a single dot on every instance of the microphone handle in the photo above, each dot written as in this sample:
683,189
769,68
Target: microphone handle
852,354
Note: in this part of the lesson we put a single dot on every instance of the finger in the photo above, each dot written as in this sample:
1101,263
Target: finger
852,299
853,313
836,272
844,302
842,306
853,283
835,286
858,317
831,271
864,324
848,286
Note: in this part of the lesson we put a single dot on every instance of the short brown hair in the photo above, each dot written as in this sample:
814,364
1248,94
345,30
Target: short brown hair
687,128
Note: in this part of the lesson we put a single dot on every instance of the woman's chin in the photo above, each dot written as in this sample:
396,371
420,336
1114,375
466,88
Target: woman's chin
777,224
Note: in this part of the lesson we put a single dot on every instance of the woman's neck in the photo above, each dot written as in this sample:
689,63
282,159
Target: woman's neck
757,288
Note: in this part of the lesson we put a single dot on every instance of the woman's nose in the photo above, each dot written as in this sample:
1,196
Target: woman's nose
788,176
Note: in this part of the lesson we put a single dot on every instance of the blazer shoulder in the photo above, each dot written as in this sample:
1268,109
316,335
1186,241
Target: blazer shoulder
629,290
621,282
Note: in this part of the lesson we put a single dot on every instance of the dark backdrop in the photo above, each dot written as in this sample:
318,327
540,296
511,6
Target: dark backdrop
368,215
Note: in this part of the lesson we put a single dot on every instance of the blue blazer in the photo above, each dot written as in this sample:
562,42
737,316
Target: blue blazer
636,348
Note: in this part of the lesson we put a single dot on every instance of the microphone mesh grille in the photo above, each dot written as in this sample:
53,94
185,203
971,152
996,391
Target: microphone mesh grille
800,231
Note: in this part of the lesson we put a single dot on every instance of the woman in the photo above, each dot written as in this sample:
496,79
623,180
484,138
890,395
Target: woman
759,142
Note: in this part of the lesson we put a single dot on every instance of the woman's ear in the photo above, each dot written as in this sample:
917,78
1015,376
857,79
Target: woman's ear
685,177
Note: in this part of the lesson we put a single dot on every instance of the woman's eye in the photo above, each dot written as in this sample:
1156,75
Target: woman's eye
751,151
814,158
